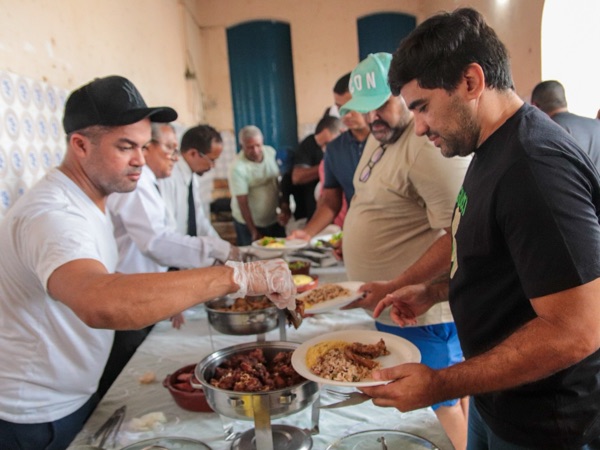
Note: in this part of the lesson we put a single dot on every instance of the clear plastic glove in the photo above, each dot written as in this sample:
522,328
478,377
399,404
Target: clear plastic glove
271,278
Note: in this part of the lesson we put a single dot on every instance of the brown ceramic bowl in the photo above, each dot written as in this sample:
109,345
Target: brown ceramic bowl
299,267
186,396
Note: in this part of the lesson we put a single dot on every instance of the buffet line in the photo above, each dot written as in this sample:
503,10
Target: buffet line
236,377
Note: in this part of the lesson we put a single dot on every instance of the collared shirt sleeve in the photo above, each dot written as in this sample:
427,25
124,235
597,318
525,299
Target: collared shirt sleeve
142,217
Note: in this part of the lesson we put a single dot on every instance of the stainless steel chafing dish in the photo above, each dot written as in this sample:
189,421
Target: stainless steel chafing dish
240,323
259,406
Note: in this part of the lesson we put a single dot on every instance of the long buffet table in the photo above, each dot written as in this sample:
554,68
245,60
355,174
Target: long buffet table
166,349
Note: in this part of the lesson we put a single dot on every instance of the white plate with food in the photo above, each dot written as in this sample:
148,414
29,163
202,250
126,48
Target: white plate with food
278,244
325,355
326,240
330,296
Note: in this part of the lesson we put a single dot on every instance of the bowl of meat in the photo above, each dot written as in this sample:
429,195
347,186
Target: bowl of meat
179,384
243,380
242,316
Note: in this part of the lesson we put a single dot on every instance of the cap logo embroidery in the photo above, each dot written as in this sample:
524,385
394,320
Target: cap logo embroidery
358,83
132,94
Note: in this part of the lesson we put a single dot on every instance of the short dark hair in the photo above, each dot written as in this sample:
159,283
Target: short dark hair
549,95
331,123
437,52
342,85
200,137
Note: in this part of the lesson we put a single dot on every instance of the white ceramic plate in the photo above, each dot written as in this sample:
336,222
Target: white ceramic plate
401,351
288,244
314,242
334,303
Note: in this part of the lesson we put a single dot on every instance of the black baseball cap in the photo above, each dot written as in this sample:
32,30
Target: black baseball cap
110,101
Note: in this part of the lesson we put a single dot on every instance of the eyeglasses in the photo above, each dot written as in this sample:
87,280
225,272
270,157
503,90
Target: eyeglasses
374,159
170,150
210,161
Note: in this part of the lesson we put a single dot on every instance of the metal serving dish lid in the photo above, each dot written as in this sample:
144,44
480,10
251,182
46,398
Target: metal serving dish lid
381,439
179,443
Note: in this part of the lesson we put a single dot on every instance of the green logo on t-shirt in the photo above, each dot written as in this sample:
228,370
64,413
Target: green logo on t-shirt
461,206
461,201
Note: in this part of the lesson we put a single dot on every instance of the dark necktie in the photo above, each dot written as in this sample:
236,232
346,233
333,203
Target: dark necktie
191,223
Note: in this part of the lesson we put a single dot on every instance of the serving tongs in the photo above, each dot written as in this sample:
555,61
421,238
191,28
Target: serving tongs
109,429
295,316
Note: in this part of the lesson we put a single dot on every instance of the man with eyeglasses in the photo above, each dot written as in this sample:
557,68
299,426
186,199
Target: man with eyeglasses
149,241
404,197
201,146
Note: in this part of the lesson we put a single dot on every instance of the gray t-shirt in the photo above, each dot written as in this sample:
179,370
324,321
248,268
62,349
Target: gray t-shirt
586,132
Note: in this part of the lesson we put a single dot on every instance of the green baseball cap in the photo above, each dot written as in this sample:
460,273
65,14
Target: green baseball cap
368,84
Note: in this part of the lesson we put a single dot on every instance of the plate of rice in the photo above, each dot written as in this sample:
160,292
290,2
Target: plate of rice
324,359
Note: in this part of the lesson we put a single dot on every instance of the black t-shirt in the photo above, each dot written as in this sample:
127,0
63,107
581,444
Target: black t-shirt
308,154
527,225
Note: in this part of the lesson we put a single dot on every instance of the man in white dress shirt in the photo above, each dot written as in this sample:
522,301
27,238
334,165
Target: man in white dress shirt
201,146
144,227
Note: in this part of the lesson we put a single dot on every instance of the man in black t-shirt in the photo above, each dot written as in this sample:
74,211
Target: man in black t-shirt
524,280
304,177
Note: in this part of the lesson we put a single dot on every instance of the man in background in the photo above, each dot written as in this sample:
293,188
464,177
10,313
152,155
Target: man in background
200,148
549,96
302,180
254,187
340,88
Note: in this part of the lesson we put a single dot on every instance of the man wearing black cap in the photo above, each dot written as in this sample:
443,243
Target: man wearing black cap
59,297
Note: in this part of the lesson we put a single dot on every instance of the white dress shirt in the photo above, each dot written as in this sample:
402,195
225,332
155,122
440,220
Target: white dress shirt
174,191
146,235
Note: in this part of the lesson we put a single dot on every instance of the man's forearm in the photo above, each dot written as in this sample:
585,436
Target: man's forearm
328,207
303,175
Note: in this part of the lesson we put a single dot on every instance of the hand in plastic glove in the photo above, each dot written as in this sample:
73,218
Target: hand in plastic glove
271,278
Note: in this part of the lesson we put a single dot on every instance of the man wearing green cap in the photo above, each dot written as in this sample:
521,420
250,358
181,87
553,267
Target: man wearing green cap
405,192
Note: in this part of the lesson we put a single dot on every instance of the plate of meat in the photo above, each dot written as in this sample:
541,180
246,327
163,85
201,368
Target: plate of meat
330,296
348,357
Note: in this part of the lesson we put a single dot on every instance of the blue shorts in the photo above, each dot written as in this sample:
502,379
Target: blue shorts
438,344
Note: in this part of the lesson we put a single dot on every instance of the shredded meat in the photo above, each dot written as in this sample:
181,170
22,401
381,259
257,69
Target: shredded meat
251,372
324,293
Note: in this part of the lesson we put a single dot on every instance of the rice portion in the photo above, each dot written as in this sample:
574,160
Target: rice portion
333,365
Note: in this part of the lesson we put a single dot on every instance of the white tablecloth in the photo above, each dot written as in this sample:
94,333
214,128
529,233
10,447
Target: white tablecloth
165,350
